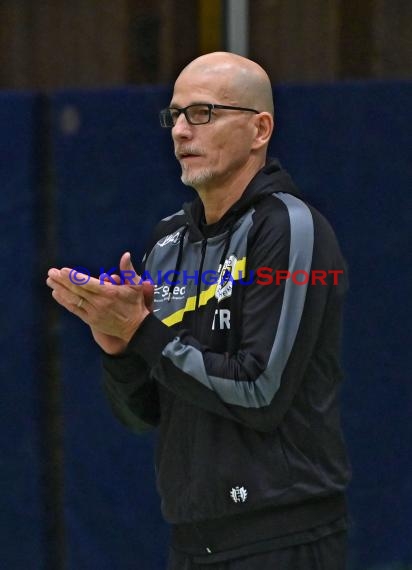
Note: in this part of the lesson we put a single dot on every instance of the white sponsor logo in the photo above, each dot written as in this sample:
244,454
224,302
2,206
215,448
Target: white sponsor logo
162,291
225,282
172,239
238,494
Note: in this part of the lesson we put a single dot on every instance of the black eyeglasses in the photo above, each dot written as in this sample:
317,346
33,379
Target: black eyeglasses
196,114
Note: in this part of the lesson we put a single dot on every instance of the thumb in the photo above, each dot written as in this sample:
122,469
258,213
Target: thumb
127,265
126,262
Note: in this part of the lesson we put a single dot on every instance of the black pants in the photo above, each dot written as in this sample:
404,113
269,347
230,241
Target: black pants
328,553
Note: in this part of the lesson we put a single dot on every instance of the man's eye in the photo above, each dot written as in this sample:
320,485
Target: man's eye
200,111
201,114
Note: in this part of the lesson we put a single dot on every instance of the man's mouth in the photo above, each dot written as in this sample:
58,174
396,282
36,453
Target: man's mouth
181,155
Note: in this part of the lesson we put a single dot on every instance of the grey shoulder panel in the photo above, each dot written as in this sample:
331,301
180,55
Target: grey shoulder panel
179,213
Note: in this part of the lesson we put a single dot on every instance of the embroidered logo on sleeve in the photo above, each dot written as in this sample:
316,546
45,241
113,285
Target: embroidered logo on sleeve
171,238
238,494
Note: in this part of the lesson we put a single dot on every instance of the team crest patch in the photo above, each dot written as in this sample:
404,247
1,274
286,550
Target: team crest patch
225,282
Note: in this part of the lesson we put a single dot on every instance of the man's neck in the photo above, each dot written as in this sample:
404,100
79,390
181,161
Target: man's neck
219,198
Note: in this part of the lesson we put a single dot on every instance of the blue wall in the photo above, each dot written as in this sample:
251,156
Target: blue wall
22,514
348,146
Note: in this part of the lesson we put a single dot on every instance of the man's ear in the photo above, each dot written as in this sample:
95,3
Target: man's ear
264,125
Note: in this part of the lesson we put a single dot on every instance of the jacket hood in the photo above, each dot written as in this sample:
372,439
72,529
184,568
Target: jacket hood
270,179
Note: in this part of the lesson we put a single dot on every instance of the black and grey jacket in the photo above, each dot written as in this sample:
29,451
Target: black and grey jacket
241,375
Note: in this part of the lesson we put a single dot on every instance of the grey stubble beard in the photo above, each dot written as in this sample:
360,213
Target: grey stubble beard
195,179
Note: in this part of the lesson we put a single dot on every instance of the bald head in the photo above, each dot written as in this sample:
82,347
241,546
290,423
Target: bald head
239,80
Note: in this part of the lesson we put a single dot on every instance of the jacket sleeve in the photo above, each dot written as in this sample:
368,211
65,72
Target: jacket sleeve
129,386
131,391
279,327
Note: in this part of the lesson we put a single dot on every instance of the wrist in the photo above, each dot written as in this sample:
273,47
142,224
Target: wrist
136,326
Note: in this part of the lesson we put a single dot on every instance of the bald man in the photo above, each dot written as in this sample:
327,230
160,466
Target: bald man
229,342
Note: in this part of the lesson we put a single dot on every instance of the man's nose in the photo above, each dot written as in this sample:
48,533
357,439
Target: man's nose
182,128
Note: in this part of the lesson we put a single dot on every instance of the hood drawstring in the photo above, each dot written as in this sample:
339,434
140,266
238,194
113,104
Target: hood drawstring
180,256
227,245
178,263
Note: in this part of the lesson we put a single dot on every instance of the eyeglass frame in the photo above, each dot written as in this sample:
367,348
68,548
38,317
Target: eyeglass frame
210,106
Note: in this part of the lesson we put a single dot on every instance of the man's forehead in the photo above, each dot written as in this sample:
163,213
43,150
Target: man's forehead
202,87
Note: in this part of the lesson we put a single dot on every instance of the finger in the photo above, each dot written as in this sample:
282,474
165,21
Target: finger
88,285
53,284
113,277
67,296
127,265
70,306
129,274
97,297
148,293
126,262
